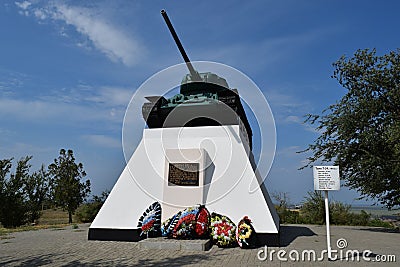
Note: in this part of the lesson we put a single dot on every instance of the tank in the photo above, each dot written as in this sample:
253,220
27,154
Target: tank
204,99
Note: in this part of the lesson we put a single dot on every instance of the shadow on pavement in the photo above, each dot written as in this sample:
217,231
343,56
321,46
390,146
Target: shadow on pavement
178,261
380,230
53,259
29,261
288,233
95,263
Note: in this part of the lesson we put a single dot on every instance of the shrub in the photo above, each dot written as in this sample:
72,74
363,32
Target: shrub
340,213
379,223
313,212
313,209
360,219
285,214
88,211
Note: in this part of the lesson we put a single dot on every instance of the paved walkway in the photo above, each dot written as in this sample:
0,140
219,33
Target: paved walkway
69,247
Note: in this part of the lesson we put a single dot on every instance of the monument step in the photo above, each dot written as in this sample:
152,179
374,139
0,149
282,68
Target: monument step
175,244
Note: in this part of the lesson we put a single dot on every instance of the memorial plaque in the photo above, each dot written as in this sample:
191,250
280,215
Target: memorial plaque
183,174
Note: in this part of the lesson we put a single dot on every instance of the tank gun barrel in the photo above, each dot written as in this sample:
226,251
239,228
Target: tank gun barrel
195,75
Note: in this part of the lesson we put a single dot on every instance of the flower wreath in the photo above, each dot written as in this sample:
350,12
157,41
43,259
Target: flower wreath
150,221
193,222
168,226
222,230
245,234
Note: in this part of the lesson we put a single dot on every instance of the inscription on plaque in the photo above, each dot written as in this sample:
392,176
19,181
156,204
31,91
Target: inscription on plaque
183,174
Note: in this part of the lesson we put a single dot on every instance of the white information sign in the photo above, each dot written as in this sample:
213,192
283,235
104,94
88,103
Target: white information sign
326,178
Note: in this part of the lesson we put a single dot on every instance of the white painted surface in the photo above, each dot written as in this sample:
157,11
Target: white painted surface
229,175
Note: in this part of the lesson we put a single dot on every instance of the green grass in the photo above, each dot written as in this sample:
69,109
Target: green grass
55,219
379,223
55,216
5,231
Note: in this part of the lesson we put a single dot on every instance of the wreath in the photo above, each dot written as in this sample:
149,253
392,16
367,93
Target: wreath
222,230
245,234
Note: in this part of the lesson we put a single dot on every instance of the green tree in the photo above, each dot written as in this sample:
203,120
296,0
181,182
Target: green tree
13,208
21,194
102,198
36,189
5,166
361,132
67,190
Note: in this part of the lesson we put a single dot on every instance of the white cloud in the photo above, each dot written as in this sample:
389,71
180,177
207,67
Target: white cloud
293,119
100,32
11,80
106,96
286,107
103,141
109,40
23,5
40,14
46,111
287,101
289,159
17,149
69,105
111,96
290,151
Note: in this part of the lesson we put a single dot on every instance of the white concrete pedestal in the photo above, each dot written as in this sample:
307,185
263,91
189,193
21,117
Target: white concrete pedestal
225,176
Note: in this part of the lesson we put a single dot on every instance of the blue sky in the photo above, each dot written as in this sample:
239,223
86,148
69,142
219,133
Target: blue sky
69,68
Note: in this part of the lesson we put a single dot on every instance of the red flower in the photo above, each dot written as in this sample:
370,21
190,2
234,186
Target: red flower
223,227
246,219
148,226
202,222
187,220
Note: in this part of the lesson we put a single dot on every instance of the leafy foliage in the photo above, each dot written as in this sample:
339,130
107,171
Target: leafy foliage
361,132
67,189
5,166
313,210
13,208
102,198
37,190
88,211
285,214
21,194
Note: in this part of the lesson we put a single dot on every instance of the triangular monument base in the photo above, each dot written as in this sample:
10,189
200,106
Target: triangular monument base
222,156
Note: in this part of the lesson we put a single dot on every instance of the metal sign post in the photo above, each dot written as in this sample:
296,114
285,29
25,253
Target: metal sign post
326,178
328,234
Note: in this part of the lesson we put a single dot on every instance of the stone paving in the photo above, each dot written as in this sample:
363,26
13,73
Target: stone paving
70,247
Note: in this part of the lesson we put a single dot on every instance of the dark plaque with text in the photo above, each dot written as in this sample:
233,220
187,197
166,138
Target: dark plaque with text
183,174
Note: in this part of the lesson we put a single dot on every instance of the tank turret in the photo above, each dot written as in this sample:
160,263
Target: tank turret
204,99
